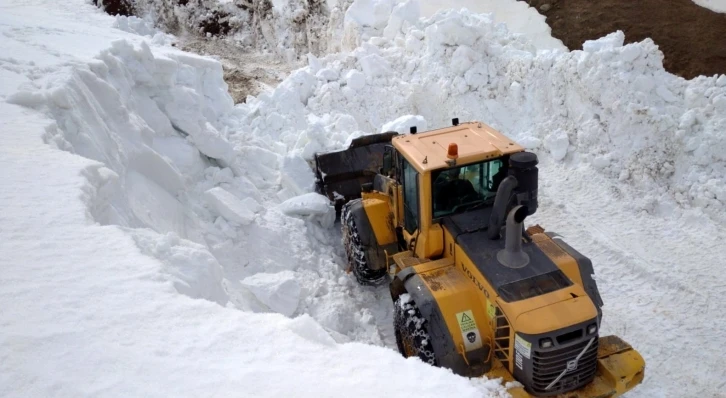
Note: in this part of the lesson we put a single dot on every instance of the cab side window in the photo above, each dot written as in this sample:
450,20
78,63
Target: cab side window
494,174
410,197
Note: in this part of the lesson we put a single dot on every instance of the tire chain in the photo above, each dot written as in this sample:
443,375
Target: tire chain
415,331
354,250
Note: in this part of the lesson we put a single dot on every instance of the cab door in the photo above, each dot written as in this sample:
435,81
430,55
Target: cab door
411,209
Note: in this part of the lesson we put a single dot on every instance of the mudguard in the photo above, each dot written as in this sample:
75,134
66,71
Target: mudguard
447,355
586,273
375,253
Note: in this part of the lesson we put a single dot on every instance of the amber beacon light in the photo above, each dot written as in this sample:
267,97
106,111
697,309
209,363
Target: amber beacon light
453,151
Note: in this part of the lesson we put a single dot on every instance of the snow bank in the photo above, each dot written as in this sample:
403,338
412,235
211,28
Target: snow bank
610,106
293,28
152,117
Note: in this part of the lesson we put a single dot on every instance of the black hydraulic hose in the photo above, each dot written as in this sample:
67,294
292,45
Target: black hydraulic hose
499,211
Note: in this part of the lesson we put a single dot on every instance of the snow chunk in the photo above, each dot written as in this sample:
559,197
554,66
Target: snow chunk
644,83
306,327
719,102
327,74
557,143
355,79
530,142
374,65
405,13
611,41
462,60
230,207
296,175
371,13
30,99
193,270
666,94
313,205
403,124
280,292
630,53
451,32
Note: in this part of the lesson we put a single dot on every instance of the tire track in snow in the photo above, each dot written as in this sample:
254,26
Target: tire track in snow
653,298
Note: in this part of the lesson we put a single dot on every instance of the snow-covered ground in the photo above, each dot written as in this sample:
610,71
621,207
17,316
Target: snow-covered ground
713,5
157,240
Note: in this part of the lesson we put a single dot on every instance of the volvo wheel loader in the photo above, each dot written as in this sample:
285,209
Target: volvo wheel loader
440,214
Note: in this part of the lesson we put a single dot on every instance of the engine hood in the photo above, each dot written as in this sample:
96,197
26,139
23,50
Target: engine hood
556,316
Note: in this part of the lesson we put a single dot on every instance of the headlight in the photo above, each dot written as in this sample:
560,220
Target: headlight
545,343
592,329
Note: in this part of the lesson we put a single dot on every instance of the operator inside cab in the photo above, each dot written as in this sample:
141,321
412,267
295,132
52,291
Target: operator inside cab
462,188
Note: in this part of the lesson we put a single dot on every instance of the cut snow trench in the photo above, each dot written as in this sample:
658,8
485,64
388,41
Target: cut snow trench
127,111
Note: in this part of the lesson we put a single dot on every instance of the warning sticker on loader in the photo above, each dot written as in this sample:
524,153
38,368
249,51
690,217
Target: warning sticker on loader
523,346
491,310
469,332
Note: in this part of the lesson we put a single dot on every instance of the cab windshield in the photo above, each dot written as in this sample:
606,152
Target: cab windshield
461,188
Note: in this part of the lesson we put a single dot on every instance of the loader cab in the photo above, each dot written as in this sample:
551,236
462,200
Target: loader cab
460,188
442,173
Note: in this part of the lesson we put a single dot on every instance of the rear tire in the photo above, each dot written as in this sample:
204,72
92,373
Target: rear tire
412,336
356,253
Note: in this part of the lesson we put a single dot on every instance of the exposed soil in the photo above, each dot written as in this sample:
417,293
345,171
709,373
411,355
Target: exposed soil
116,7
245,72
692,38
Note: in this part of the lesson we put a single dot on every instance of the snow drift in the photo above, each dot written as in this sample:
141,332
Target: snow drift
611,106
293,28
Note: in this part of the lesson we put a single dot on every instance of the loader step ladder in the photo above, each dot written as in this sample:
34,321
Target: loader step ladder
502,337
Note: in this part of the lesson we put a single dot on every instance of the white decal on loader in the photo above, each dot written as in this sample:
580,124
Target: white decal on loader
469,332
523,346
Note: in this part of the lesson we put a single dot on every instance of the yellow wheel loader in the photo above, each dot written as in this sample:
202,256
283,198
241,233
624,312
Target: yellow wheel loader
440,215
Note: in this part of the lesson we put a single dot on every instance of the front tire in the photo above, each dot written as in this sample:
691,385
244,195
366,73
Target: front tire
355,252
412,336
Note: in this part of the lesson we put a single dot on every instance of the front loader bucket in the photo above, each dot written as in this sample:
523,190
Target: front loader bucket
339,174
619,369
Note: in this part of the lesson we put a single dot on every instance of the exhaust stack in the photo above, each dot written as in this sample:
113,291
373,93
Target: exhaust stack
520,187
512,256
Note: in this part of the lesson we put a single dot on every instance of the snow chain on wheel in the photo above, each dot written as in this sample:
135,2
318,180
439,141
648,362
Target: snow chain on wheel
412,336
355,252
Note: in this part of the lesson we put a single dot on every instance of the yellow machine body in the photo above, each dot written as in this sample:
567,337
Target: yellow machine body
482,317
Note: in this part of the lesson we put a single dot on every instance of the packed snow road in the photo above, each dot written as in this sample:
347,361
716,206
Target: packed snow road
158,240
